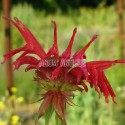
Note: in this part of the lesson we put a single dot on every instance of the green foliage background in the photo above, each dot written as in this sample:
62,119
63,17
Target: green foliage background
90,110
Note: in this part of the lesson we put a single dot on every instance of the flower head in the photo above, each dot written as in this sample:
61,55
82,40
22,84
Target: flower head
2,105
60,75
14,120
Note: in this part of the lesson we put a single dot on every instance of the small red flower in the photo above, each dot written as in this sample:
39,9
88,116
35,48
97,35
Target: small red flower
60,75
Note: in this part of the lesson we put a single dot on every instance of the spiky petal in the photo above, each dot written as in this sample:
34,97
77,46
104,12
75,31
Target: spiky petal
54,50
32,45
98,78
65,55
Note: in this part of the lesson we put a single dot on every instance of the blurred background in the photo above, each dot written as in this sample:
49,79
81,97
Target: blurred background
103,17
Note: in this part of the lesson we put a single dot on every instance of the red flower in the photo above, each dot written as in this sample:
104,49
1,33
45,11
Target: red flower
60,75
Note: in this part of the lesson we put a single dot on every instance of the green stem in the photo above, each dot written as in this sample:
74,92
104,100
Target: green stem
56,120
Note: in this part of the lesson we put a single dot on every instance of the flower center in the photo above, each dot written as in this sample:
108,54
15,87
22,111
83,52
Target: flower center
57,85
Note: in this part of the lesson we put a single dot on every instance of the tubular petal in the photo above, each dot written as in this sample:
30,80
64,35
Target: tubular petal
77,73
119,61
67,53
79,54
103,85
31,39
29,67
13,52
109,87
93,74
54,49
55,73
25,60
32,43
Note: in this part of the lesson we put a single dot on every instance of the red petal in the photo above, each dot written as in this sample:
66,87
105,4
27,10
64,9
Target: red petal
32,43
85,72
79,54
25,60
109,87
13,52
56,72
29,67
54,49
119,61
103,86
92,72
98,77
67,53
103,64
23,54
77,73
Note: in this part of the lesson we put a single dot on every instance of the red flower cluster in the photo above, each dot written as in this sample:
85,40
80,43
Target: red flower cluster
59,81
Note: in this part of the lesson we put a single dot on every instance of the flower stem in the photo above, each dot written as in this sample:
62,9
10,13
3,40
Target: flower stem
56,120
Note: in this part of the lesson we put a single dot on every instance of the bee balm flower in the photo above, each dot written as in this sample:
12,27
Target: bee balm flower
60,75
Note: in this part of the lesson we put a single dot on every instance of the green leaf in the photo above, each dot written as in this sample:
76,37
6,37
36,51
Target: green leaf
48,115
